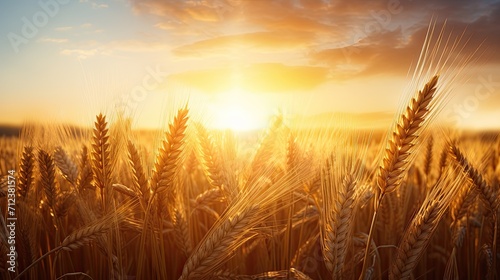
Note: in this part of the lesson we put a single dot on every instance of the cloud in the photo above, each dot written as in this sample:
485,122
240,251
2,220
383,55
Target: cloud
53,40
63,28
381,54
92,48
136,46
99,6
80,53
186,10
250,41
258,78
351,38
394,52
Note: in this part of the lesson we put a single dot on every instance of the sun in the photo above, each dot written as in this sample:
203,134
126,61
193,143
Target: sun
239,111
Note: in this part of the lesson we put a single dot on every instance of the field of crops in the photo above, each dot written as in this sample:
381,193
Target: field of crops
194,203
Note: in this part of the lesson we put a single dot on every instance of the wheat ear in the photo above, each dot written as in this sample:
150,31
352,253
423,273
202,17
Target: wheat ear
89,233
85,175
48,179
82,236
291,152
400,146
168,155
487,253
26,171
422,227
140,181
488,193
266,147
214,247
428,157
101,161
181,230
211,160
339,218
208,197
68,168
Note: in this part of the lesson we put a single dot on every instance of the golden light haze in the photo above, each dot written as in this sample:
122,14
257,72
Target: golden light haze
238,62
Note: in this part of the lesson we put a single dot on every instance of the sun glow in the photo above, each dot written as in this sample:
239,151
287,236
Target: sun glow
239,111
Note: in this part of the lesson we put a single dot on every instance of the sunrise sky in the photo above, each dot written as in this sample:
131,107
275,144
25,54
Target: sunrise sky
236,61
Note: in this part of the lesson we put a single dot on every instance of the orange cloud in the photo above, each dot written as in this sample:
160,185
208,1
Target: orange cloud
351,38
258,41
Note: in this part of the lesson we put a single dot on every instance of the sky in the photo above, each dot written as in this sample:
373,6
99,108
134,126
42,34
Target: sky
237,62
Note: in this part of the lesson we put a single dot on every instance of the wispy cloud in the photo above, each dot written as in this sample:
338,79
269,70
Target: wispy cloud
53,40
84,50
80,53
63,28
248,41
99,6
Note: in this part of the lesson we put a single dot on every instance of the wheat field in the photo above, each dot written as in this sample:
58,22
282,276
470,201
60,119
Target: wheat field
296,204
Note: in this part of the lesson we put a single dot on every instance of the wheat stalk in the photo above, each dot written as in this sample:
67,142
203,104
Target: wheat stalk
303,251
82,236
